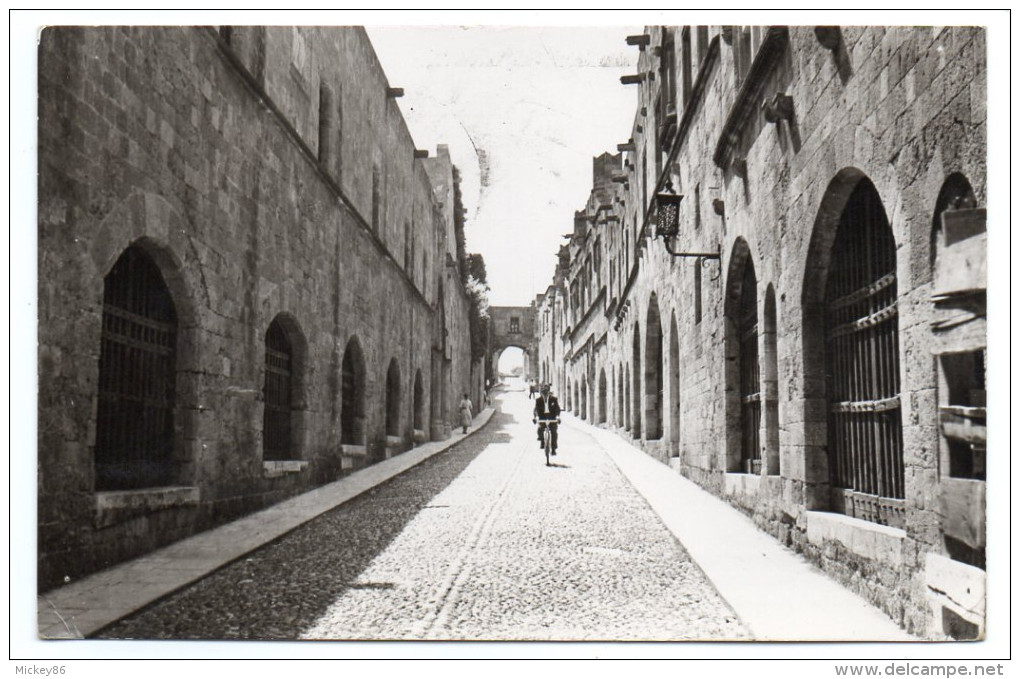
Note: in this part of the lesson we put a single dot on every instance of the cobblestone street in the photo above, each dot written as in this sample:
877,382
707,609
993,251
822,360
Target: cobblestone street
481,542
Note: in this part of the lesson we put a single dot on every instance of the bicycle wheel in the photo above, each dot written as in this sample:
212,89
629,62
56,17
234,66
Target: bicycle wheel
548,445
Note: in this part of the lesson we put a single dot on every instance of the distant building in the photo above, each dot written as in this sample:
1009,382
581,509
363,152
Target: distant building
815,351
249,282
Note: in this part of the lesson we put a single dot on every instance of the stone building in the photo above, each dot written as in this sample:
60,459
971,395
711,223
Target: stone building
778,290
513,326
248,280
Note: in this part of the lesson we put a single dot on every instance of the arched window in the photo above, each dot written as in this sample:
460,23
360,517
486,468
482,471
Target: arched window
770,384
393,399
584,399
352,395
750,377
862,360
602,396
653,372
674,386
636,391
626,399
137,377
277,395
620,421
419,402
743,380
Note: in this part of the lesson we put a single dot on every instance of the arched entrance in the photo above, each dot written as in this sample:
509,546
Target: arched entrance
636,389
743,381
602,397
674,385
653,371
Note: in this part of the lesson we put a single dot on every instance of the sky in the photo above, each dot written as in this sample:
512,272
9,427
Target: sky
524,110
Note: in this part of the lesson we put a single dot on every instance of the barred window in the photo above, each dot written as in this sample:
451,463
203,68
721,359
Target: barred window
653,371
393,399
352,395
277,391
750,377
137,375
865,432
419,402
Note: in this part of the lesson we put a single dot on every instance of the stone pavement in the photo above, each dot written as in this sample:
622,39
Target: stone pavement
483,542
515,550
81,608
777,593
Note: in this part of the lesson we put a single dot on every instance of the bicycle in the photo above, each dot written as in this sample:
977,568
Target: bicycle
547,437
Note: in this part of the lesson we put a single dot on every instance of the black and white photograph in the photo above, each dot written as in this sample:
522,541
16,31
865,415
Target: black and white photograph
646,327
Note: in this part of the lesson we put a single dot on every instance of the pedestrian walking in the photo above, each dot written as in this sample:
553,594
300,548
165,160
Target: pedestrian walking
466,416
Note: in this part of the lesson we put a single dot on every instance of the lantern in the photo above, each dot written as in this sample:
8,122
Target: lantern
667,210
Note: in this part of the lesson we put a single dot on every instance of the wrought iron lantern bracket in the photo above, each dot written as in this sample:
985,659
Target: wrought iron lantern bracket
667,224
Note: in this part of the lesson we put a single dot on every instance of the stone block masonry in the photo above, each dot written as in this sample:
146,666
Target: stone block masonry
727,367
270,182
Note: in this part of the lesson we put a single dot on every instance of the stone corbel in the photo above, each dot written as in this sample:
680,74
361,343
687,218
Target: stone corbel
739,166
779,107
828,37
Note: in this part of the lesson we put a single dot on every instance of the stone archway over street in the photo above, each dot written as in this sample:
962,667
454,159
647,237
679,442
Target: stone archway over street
513,326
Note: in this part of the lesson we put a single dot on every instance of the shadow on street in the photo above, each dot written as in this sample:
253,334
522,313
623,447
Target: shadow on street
282,588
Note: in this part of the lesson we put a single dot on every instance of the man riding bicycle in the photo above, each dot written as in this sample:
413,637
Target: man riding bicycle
547,407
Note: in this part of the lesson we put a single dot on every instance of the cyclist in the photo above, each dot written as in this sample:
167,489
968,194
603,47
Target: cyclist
547,407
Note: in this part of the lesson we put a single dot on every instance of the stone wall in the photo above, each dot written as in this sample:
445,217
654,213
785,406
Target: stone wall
269,176
903,107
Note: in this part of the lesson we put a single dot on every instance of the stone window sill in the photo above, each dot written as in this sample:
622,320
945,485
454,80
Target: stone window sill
116,506
864,538
741,483
275,468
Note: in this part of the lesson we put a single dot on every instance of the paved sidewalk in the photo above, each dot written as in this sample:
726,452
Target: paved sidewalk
81,608
777,593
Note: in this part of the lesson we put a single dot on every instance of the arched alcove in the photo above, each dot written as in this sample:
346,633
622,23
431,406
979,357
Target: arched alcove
653,371
352,395
393,396
743,379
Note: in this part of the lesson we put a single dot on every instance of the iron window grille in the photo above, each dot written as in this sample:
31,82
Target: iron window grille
865,431
750,374
276,419
137,375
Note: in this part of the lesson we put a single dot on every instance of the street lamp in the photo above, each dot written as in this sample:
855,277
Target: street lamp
667,224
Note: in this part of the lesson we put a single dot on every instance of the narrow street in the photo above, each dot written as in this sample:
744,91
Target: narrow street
482,541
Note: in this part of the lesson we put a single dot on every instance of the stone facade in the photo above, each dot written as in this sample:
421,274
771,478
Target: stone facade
724,363
513,326
268,178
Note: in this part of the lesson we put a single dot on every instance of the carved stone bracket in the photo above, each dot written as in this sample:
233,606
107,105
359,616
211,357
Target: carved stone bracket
779,107
766,59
